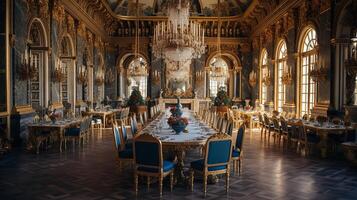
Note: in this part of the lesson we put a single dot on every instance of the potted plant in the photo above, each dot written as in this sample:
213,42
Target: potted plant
136,101
222,100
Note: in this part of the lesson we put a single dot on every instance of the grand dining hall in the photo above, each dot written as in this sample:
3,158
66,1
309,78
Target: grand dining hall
178,99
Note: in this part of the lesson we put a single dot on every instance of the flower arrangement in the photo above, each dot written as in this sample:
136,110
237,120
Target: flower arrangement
176,112
136,99
177,121
53,115
222,98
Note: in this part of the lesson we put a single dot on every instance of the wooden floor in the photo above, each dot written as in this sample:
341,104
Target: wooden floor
92,173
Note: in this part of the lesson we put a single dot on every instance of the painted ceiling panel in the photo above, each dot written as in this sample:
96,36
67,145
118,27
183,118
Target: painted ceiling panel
198,7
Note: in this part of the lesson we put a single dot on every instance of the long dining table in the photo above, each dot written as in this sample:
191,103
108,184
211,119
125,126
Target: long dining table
194,137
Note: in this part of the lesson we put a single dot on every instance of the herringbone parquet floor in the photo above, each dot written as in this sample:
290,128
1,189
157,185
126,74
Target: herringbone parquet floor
92,173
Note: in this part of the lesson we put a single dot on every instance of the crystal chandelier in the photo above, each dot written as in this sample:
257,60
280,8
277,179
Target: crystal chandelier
178,39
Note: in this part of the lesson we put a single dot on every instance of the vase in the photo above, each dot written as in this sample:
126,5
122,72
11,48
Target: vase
178,128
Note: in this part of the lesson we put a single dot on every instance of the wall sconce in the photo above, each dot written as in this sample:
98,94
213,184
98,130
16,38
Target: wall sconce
156,76
353,48
266,80
318,73
286,77
199,76
59,73
252,78
83,75
109,77
28,70
99,76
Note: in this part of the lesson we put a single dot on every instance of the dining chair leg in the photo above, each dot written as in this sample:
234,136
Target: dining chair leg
160,184
191,179
136,179
227,181
171,181
205,184
148,182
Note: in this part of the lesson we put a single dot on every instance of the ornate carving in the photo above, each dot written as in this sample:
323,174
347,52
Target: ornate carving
81,29
59,12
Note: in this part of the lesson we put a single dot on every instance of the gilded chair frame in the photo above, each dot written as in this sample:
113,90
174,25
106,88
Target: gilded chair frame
205,172
237,161
146,137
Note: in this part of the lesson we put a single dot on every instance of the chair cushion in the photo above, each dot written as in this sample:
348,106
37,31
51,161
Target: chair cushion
235,153
126,153
199,165
167,166
73,132
129,145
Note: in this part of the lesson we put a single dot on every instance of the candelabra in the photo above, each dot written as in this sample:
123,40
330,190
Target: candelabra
156,76
59,73
318,73
28,69
83,75
266,80
252,78
286,77
109,77
199,76
99,77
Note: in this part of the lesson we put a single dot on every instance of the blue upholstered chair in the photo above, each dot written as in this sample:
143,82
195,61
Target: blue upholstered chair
238,150
128,143
218,154
78,133
149,162
134,125
124,154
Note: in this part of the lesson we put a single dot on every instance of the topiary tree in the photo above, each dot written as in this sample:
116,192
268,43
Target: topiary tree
136,99
222,99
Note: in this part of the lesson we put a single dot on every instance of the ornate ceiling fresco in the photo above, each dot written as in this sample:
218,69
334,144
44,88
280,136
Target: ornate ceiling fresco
198,7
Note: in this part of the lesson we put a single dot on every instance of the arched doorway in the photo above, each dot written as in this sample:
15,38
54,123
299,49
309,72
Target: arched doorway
224,71
133,72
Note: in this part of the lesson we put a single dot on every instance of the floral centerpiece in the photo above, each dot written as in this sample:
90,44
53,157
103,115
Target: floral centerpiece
178,123
53,115
136,101
222,100
176,112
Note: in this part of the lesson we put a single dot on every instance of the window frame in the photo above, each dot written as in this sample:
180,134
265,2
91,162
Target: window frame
281,65
307,91
263,66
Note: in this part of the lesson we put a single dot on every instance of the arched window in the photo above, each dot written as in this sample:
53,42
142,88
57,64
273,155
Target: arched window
263,73
282,56
308,60
218,75
137,75
37,40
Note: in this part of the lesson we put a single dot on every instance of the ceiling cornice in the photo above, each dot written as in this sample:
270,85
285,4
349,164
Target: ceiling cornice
279,11
74,9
